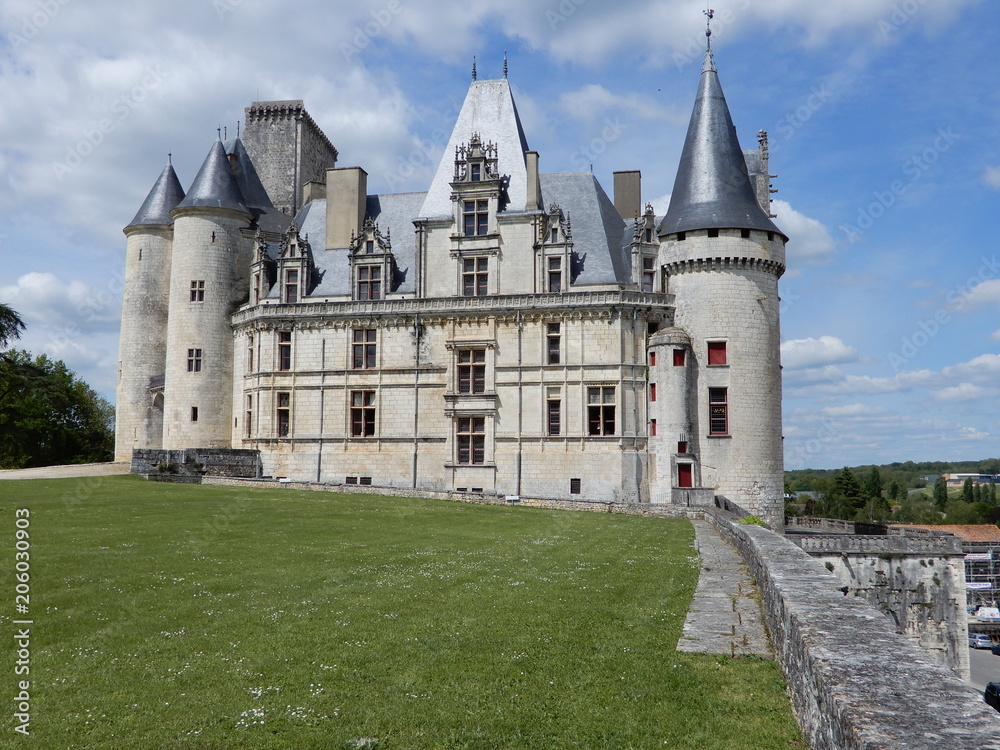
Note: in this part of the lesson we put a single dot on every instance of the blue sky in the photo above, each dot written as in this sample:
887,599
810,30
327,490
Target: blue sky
883,119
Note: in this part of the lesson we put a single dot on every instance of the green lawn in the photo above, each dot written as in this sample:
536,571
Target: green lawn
178,616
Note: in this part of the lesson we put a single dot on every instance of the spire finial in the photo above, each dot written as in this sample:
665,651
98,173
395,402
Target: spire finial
218,132
505,63
473,67
237,128
169,158
708,27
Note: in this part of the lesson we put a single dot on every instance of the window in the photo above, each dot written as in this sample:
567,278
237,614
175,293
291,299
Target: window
284,350
553,414
369,282
652,359
471,436
601,410
476,217
291,285
370,247
249,420
718,411
648,273
197,291
555,275
678,357
194,360
471,370
652,391
682,446
685,477
363,349
745,234
681,236
574,486
652,428
713,232
716,353
362,413
475,172
250,353
554,236
475,277
648,235
284,414
194,413
552,339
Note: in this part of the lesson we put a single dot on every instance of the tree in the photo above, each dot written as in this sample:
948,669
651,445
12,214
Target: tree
872,486
968,494
940,492
48,416
993,494
11,325
895,490
977,493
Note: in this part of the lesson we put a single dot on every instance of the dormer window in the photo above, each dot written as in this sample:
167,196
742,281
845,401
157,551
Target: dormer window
295,266
476,216
475,172
373,265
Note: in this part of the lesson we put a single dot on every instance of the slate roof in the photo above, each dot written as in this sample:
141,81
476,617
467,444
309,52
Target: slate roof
599,233
489,110
162,199
712,189
215,186
394,213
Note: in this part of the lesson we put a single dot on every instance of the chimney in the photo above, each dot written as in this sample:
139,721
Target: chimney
346,200
534,202
628,193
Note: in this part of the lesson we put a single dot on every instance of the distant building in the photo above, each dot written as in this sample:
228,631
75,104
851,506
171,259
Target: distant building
981,544
506,331
957,480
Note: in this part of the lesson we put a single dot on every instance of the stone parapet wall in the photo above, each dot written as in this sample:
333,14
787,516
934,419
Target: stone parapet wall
854,683
894,545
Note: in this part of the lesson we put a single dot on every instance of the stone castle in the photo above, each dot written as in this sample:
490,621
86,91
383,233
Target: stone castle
507,331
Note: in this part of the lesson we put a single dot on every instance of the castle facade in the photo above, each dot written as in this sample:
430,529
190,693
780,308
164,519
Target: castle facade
506,331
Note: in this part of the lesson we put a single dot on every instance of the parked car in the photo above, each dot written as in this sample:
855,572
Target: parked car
995,648
980,640
992,694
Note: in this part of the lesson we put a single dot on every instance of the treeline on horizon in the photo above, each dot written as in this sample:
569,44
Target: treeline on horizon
900,492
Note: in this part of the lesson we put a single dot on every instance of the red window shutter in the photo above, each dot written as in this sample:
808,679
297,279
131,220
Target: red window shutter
716,352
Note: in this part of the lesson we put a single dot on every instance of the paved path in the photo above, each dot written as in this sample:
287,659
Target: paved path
70,470
725,614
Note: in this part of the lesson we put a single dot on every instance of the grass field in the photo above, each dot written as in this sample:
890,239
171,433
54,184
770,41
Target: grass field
177,616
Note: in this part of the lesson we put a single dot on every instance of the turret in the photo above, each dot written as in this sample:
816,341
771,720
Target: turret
143,339
209,273
721,256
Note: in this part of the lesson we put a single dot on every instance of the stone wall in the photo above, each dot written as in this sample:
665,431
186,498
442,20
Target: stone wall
854,683
918,583
196,462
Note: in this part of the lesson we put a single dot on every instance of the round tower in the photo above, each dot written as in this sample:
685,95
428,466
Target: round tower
208,280
143,339
722,257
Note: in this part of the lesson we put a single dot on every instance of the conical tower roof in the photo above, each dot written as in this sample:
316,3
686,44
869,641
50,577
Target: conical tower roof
712,189
251,188
162,199
215,185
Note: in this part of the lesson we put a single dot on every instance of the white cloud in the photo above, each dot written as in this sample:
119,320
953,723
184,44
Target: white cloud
43,299
594,102
965,392
812,353
808,240
985,293
992,177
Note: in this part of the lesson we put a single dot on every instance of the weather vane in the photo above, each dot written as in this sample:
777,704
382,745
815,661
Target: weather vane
708,24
